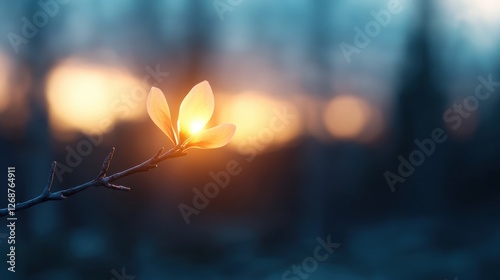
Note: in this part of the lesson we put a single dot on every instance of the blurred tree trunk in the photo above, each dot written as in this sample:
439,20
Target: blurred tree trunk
37,144
421,108
199,40
314,158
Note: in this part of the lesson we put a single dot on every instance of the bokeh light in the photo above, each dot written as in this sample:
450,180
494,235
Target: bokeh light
15,82
479,19
90,97
259,118
196,126
486,11
5,72
349,117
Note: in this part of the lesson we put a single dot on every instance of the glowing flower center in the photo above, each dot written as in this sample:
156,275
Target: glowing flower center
194,113
196,126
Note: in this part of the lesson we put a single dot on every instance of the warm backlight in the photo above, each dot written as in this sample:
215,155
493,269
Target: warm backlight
90,97
261,121
196,126
5,67
346,116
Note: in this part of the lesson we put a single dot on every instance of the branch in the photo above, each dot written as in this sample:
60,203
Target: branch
102,179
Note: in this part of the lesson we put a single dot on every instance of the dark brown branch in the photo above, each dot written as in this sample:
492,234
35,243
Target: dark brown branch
101,181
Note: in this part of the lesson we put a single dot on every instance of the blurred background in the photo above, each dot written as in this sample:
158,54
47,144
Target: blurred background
328,98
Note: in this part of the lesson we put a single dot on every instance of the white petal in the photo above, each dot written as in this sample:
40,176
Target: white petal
212,138
160,113
195,111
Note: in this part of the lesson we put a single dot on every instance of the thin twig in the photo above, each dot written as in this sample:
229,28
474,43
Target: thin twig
46,191
101,180
106,163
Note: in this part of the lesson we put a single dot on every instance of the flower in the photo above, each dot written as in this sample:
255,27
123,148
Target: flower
195,112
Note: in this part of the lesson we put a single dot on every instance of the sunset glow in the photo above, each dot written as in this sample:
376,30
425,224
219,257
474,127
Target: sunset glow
256,114
82,96
196,126
346,116
5,68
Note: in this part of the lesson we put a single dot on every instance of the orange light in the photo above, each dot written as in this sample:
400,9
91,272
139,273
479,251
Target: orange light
89,97
5,68
346,116
256,117
196,126
14,107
